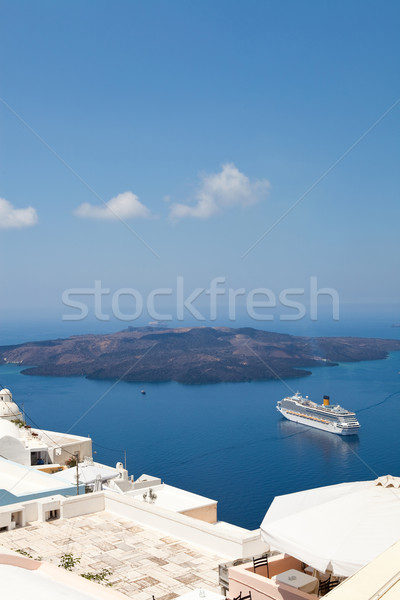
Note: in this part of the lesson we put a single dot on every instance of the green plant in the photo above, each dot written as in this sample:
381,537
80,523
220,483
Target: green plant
100,577
68,561
71,461
25,553
18,422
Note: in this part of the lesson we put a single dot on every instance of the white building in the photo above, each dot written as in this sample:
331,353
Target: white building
28,446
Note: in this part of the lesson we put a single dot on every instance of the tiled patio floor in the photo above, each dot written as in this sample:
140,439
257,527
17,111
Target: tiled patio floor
143,562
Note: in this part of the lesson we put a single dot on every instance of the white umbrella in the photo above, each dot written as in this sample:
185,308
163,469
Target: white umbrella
339,528
88,474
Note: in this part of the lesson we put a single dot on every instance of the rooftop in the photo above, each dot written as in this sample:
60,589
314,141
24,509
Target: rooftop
144,562
173,498
21,481
56,438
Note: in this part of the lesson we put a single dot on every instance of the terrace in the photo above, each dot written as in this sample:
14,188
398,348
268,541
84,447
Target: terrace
144,562
282,578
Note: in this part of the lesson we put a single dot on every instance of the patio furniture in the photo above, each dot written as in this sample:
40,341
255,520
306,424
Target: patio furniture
201,594
240,597
299,580
326,586
261,562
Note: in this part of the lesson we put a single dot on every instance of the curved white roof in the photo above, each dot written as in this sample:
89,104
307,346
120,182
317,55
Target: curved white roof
6,391
9,409
8,428
42,583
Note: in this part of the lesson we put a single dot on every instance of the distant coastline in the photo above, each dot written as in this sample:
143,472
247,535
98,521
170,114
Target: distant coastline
191,355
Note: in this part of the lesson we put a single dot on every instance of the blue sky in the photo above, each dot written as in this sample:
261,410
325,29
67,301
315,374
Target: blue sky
202,123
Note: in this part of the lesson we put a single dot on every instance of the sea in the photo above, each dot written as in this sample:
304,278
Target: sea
225,441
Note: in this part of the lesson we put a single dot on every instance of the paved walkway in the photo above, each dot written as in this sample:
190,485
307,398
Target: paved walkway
143,562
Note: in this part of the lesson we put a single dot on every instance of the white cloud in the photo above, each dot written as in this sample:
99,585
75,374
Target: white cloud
218,191
123,206
11,217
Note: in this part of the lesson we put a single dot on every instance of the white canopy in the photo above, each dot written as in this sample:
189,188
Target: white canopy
340,527
88,474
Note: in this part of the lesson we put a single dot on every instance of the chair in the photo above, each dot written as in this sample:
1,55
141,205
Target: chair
326,586
333,584
261,562
240,597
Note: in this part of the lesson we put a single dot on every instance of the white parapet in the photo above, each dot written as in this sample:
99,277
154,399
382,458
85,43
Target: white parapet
221,538
82,505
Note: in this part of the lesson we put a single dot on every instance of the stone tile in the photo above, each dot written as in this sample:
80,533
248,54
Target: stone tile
156,591
133,528
189,578
97,566
141,596
169,596
145,582
158,561
170,567
165,579
124,547
179,559
182,590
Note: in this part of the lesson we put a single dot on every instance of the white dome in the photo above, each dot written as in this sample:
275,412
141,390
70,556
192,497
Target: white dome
9,409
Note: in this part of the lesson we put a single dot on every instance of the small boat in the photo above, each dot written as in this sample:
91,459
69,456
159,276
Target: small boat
143,392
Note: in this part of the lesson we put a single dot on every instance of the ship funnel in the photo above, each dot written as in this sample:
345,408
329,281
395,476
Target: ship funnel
326,400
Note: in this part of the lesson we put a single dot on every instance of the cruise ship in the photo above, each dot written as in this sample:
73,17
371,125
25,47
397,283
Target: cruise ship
326,416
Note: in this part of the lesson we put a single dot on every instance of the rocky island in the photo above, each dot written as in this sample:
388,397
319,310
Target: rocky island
192,355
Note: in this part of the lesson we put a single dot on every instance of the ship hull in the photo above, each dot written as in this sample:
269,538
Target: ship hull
330,427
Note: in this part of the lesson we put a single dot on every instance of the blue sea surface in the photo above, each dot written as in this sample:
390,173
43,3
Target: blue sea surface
227,441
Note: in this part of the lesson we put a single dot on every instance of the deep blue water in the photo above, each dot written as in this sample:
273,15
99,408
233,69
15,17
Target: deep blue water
227,441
